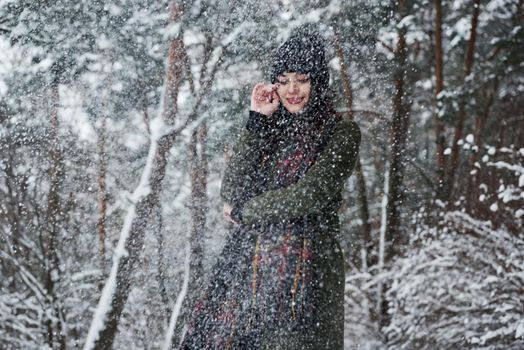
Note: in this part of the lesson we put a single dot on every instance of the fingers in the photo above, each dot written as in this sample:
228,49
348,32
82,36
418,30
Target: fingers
275,96
259,89
228,218
268,94
264,89
226,211
264,98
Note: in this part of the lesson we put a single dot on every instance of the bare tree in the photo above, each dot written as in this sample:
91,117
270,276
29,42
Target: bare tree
461,117
102,195
480,122
399,129
366,240
439,86
198,204
55,328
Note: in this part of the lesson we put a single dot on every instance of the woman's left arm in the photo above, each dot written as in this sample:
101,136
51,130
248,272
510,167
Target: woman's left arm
321,184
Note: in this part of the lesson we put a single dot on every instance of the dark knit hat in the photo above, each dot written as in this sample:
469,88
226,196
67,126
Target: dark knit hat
303,52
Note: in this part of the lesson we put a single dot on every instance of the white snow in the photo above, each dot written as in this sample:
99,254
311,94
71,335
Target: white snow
519,332
463,27
104,43
192,37
172,31
3,88
73,115
179,300
518,169
114,10
406,22
382,235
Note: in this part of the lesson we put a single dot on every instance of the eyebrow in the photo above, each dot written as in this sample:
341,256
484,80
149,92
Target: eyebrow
300,77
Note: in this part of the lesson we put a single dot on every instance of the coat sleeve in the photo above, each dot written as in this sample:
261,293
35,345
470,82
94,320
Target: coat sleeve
319,187
240,177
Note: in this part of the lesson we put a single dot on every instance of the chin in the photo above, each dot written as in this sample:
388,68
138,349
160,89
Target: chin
295,108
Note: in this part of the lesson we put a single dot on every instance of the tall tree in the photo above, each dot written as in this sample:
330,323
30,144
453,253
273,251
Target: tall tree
439,86
55,328
399,132
366,240
197,150
461,115
102,194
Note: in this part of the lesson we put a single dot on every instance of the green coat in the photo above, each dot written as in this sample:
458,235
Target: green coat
318,193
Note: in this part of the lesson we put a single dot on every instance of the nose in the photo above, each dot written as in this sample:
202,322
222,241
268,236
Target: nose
293,86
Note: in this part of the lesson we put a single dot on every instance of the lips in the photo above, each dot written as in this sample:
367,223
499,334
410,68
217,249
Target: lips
295,100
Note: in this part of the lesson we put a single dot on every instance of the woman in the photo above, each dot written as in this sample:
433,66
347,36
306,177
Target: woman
279,283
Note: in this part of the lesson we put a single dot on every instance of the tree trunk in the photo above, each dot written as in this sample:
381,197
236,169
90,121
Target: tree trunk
12,200
198,206
474,180
199,173
161,263
459,128
399,128
116,291
102,198
366,240
382,306
199,203
54,324
439,86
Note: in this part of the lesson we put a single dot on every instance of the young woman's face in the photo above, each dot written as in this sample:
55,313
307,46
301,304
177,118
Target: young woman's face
294,90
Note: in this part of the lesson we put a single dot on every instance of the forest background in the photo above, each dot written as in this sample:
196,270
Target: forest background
116,121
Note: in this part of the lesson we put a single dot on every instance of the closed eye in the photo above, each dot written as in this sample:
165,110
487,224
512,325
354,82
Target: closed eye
300,81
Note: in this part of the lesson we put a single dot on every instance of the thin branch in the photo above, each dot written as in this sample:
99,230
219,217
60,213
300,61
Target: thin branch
203,92
422,172
27,278
208,44
187,66
389,48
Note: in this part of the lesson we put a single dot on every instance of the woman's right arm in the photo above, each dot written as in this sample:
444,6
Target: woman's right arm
241,176
317,190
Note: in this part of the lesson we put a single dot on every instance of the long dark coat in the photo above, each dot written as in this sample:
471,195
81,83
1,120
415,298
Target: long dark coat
279,282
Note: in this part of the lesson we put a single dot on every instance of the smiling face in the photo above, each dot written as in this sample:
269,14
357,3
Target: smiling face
294,90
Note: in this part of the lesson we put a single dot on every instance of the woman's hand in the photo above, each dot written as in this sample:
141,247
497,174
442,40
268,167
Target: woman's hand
226,211
264,98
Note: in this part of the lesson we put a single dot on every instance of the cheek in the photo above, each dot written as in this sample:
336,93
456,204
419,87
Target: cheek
307,92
